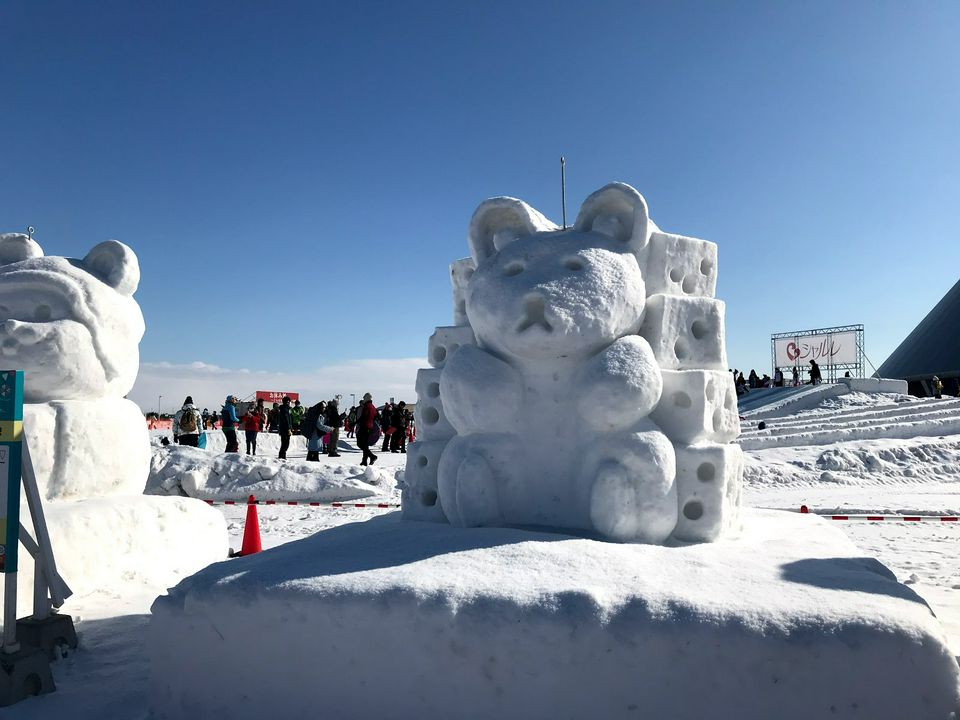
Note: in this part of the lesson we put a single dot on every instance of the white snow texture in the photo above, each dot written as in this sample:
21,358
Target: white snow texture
581,366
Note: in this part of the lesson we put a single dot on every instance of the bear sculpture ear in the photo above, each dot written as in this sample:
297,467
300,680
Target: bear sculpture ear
15,247
116,265
619,211
499,221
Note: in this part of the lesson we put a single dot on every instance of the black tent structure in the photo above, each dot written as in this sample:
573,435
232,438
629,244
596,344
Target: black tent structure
933,348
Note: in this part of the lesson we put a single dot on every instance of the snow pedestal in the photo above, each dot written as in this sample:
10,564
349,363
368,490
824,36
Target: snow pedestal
401,619
106,542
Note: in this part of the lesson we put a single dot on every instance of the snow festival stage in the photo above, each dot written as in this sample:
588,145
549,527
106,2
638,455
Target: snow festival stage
411,620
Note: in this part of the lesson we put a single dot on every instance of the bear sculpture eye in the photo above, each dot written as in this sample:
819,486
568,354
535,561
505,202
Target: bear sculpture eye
573,263
514,268
43,313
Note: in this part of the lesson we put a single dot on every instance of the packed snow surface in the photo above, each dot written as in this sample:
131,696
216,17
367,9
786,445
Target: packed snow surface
425,620
177,470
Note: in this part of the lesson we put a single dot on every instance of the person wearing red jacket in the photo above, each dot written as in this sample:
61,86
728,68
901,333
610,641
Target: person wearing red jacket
366,422
251,426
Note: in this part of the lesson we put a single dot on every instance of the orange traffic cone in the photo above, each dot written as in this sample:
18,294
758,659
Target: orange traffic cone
251,529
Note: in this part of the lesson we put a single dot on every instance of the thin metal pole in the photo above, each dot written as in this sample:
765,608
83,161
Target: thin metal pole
563,189
10,644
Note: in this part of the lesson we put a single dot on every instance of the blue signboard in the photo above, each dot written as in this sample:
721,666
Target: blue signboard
11,434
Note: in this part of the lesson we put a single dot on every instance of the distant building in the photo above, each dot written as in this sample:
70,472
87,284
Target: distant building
933,348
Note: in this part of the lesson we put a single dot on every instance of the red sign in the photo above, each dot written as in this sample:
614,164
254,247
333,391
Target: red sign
272,396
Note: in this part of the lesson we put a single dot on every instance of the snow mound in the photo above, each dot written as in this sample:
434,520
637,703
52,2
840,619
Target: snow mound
116,544
179,470
426,620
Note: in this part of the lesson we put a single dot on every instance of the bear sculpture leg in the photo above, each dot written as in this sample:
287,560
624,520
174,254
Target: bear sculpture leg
632,491
472,470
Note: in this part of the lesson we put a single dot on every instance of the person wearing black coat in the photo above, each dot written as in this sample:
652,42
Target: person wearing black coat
334,421
386,417
283,426
400,420
815,377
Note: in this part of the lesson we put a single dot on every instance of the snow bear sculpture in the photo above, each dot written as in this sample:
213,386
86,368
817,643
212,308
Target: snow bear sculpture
74,328
584,385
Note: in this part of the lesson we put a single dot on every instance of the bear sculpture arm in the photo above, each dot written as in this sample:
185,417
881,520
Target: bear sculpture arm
480,393
619,386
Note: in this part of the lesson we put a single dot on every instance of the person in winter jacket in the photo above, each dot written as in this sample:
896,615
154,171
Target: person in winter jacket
366,420
796,376
229,422
335,423
937,387
400,420
753,379
296,417
273,417
352,421
187,424
815,377
251,426
386,417
314,428
283,426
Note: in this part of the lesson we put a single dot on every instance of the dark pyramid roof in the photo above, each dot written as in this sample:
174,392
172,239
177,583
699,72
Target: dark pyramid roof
933,348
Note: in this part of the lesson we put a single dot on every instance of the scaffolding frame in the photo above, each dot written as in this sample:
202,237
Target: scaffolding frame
829,372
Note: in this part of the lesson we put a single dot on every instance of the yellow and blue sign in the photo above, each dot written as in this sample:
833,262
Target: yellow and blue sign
11,435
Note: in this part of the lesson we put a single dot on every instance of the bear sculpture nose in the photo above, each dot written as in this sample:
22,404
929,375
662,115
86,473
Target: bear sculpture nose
534,313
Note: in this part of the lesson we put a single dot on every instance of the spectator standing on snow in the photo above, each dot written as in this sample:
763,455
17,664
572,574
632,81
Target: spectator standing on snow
296,417
335,423
229,424
753,380
937,388
352,421
251,426
386,416
815,378
283,426
796,376
273,417
187,424
366,422
778,378
313,428
205,416
399,422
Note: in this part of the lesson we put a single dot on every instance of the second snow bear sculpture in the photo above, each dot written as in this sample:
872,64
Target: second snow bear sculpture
584,385
74,327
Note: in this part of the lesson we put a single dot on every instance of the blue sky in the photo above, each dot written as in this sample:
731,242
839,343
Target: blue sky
260,156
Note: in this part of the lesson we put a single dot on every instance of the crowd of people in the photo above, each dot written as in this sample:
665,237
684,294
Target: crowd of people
321,424
754,381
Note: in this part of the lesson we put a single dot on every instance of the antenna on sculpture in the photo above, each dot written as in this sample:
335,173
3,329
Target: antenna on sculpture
30,232
563,189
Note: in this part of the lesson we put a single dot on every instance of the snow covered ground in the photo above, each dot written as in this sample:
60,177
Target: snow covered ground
850,468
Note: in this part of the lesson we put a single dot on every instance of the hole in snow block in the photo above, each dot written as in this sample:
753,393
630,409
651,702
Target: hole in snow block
419,496
675,258
708,490
682,400
706,417
685,333
430,416
447,340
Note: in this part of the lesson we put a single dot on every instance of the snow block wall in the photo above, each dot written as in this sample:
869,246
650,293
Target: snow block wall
74,327
584,383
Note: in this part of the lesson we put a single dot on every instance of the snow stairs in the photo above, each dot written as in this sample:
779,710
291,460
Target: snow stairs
925,417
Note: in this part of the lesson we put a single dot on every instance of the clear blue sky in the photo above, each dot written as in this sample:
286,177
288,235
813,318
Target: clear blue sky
258,154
